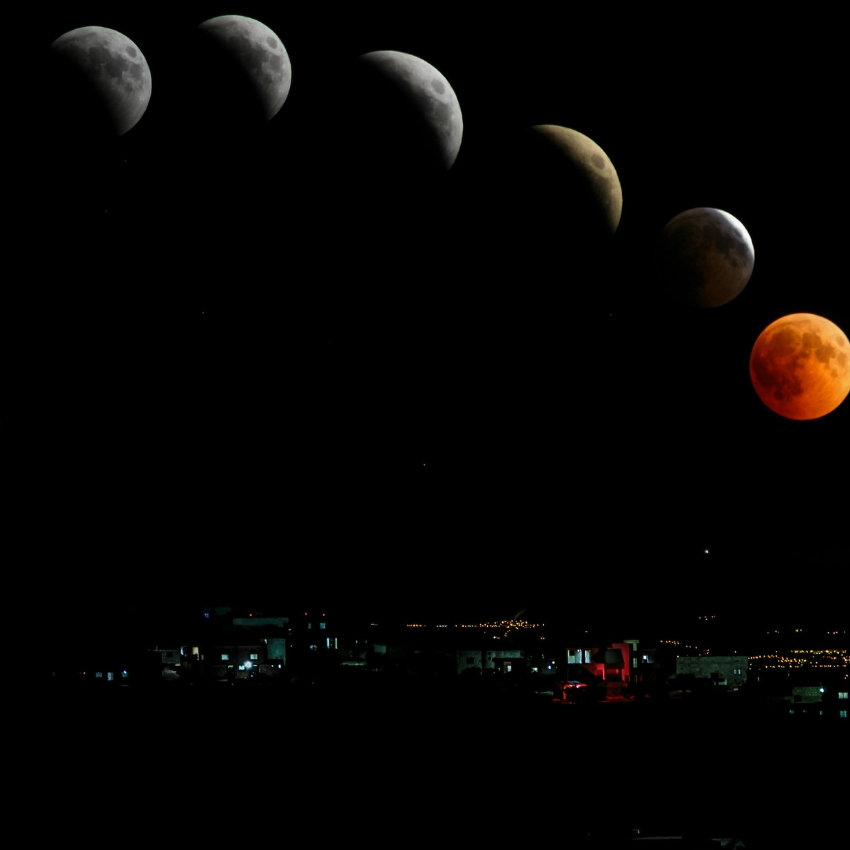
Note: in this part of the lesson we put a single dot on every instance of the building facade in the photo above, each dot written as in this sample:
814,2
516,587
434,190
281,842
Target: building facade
728,670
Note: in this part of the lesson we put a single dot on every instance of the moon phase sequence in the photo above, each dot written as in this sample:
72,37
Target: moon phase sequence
800,366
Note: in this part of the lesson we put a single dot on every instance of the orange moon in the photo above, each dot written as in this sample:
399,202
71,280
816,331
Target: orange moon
800,366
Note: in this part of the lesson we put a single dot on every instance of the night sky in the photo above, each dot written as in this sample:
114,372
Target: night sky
238,371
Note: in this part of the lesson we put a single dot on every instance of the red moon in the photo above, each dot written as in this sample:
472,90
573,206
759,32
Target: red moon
800,366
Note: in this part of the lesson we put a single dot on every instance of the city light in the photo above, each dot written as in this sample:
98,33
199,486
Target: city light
507,625
821,659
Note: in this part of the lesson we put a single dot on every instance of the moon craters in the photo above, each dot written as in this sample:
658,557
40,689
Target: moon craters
704,257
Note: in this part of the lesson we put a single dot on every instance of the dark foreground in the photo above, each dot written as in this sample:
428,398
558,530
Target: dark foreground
226,763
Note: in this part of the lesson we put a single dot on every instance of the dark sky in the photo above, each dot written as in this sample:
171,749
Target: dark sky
234,373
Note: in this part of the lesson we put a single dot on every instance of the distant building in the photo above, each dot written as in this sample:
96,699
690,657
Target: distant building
729,670
447,651
840,699
242,654
239,645
609,664
807,694
255,622
500,660
607,670
171,657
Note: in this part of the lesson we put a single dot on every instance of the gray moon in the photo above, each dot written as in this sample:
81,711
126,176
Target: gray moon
580,170
258,53
425,88
113,68
705,257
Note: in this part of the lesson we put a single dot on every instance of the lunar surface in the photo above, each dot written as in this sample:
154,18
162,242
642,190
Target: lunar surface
426,92
705,257
104,70
800,366
254,52
580,172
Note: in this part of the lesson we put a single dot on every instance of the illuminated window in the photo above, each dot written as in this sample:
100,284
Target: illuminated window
254,656
843,694
321,625
843,713
736,671
309,625
225,656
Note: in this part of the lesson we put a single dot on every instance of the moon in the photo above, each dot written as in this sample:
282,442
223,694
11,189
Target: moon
800,366
401,122
103,77
553,207
252,53
705,257
570,175
428,94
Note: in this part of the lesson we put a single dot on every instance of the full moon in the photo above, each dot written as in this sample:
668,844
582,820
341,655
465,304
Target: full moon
103,71
800,366
705,257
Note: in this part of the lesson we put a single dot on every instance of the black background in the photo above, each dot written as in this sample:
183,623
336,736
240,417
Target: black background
236,373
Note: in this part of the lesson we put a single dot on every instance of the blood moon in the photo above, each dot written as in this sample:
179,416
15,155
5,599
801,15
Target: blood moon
800,366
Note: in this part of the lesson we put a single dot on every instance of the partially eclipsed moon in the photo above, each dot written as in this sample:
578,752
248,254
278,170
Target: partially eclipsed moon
705,257
580,171
257,54
428,94
111,68
800,366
